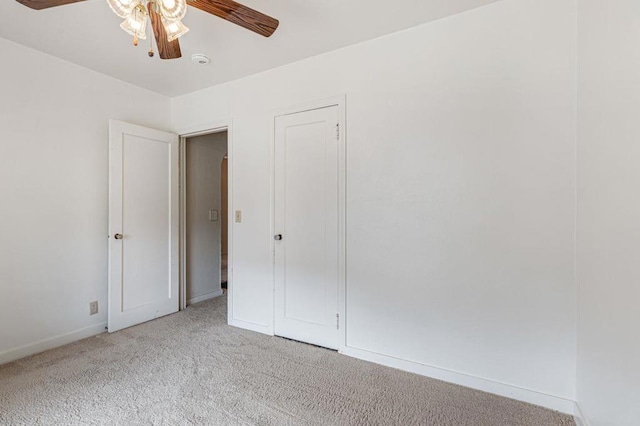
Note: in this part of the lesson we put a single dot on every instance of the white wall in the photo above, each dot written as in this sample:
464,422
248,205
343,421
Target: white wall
609,212
461,190
204,193
53,194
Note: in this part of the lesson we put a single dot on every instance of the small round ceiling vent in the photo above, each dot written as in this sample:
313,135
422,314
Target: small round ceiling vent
200,59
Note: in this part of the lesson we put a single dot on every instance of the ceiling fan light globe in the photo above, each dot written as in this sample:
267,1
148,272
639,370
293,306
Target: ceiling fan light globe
123,8
173,10
174,29
136,23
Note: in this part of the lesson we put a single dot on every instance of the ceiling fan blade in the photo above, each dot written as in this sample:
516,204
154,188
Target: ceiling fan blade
45,4
238,14
167,49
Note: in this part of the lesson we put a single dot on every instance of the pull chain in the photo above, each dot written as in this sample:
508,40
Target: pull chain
151,53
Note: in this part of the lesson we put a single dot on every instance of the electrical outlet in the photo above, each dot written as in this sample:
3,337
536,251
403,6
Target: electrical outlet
238,216
93,308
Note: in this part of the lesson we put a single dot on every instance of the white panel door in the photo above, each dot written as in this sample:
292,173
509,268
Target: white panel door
306,226
143,224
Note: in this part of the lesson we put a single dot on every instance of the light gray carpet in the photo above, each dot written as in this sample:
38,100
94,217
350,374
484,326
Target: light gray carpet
191,368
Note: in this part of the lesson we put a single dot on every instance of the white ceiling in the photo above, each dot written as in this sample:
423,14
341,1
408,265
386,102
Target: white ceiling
88,34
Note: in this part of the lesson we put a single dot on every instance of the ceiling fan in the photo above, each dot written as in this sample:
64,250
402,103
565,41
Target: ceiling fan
166,18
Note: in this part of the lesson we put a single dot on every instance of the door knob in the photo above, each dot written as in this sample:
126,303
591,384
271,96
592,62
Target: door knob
277,237
118,236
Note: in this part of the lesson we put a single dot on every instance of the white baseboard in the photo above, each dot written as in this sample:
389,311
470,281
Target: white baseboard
204,297
579,417
552,402
51,343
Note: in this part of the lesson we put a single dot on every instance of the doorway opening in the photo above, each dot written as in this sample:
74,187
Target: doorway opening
205,216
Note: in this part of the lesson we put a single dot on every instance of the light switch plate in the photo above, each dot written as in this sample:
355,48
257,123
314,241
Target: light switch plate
238,216
213,215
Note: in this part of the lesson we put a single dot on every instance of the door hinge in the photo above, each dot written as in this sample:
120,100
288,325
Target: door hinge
338,131
337,321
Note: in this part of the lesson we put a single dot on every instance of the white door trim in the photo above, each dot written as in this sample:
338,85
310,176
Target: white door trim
341,102
206,129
